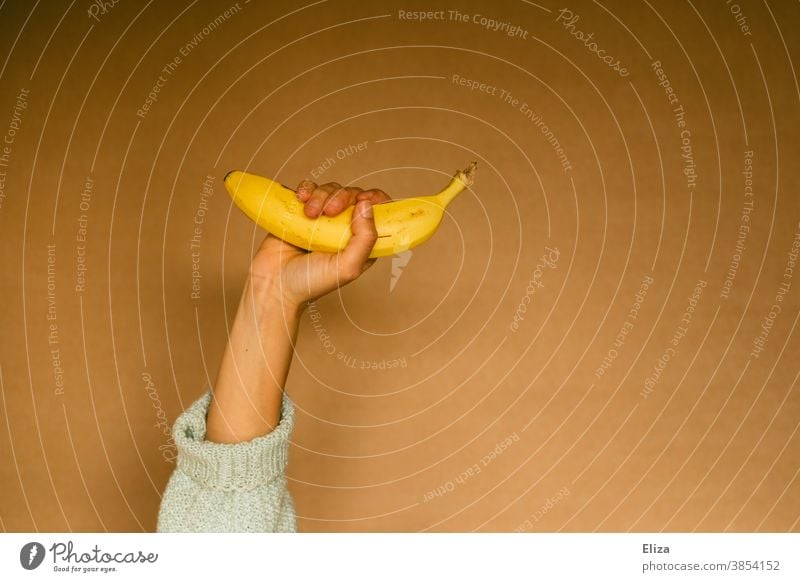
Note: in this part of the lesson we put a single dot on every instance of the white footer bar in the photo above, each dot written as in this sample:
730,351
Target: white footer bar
388,557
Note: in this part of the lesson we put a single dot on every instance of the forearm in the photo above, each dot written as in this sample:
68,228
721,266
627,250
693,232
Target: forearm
249,387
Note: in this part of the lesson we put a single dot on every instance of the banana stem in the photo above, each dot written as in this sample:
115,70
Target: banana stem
462,180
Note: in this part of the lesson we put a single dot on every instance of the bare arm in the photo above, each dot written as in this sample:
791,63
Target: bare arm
249,386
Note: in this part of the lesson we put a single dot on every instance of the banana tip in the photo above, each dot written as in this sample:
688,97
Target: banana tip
468,174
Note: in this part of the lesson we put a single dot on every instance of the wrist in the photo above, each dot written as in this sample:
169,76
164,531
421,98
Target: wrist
269,301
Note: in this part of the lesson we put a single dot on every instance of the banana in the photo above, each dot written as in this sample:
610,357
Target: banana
401,224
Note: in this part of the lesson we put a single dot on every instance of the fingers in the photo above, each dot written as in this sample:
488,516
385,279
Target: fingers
339,200
317,199
354,259
331,199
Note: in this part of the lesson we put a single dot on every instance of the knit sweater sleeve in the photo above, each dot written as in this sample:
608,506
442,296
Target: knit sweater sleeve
218,487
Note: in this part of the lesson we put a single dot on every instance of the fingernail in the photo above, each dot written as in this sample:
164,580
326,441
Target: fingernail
366,209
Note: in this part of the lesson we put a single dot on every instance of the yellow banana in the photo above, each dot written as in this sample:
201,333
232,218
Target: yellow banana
401,224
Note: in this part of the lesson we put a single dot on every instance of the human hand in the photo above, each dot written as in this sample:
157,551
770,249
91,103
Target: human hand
295,276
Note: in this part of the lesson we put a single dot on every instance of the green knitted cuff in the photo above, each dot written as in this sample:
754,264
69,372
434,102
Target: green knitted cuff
229,467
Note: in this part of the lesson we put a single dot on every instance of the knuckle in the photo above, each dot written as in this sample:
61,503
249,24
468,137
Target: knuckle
378,195
319,194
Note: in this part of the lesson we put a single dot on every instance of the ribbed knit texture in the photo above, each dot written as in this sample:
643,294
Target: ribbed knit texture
218,487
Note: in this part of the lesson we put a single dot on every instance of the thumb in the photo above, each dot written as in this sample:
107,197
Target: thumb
354,259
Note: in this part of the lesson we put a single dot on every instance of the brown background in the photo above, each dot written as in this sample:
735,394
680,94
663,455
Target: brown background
279,87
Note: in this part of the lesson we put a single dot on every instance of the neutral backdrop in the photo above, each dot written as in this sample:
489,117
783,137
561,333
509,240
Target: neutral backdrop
600,336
